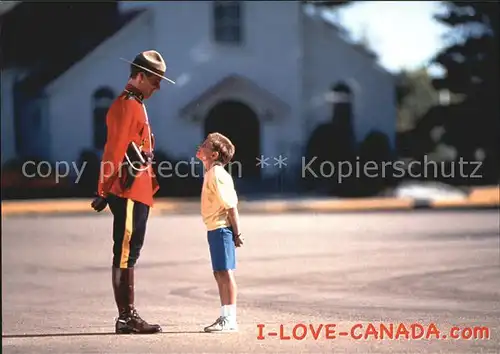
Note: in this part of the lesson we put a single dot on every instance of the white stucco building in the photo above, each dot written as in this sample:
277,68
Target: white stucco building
259,71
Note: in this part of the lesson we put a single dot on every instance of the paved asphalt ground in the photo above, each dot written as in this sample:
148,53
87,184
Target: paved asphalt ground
421,267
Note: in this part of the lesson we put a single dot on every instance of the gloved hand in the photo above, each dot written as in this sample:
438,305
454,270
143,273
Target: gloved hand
238,240
99,203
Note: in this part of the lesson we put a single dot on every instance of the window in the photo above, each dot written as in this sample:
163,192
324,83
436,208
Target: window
227,22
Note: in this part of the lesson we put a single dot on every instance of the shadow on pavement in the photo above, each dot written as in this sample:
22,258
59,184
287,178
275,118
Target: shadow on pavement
41,335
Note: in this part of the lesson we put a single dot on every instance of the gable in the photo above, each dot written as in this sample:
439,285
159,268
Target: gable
236,87
317,26
65,48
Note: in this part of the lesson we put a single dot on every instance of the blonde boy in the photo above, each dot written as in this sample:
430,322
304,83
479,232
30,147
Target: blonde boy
220,215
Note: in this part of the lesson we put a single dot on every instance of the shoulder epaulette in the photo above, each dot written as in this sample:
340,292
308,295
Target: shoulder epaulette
127,95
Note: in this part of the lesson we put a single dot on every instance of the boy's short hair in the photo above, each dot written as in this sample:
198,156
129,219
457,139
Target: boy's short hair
223,146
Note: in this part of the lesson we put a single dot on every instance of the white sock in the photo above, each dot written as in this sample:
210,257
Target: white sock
231,312
224,311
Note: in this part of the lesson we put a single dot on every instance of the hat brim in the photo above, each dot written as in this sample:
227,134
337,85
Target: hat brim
150,71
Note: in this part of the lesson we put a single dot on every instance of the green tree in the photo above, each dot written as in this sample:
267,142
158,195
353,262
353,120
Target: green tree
471,63
415,95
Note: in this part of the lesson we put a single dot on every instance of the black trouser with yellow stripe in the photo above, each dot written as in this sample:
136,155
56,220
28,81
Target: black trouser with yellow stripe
129,229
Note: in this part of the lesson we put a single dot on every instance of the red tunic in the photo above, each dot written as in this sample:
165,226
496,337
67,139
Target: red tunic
127,121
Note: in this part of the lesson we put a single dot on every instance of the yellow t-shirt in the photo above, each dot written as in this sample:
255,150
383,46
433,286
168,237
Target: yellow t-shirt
217,195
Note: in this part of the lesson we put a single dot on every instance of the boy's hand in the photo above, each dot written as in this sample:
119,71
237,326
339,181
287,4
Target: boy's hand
238,240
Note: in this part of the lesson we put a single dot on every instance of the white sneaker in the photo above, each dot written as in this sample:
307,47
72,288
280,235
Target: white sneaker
222,325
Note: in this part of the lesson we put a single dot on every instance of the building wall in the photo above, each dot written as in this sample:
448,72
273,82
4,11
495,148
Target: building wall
8,134
290,55
269,56
329,59
71,106
26,132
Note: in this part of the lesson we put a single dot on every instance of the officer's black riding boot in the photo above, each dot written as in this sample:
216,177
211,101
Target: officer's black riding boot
129,320
116,280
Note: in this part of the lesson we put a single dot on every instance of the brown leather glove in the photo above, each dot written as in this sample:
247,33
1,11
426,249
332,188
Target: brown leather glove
99,203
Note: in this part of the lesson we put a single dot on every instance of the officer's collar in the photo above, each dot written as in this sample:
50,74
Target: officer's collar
133,91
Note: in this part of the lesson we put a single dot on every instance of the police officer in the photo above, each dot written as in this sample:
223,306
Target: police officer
127,183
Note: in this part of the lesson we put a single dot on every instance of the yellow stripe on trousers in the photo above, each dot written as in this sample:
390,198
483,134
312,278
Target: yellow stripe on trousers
129,225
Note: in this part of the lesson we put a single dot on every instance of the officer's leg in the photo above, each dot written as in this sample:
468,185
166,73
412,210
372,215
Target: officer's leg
118,207
141,216
125,257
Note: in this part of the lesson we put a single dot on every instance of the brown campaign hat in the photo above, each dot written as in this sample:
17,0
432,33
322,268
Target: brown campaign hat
152,62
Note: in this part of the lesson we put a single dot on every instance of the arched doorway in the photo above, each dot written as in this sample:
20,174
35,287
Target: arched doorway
239,123
101,101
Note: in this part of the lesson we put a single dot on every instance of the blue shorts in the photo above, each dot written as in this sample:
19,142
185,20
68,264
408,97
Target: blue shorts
222,249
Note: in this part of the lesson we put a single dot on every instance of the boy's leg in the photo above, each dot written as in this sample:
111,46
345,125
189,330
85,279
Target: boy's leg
220,287
228,288
223,257
232,289
230,281
227,291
